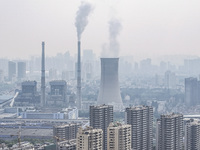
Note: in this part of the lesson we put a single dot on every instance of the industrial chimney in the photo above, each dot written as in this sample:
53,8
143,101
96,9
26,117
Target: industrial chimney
79,99
43,100
109,93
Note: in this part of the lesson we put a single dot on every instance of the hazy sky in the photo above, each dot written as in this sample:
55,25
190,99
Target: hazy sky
149,27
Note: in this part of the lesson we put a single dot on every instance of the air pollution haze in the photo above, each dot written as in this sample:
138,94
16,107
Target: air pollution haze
82,18
112,49
154,28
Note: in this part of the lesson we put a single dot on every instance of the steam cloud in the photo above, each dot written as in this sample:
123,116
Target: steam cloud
114,30
82,18
112,49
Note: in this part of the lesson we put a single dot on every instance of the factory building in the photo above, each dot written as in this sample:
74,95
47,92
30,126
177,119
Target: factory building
28,96
58,94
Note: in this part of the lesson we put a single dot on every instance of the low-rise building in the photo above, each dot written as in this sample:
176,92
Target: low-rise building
66,145
65,132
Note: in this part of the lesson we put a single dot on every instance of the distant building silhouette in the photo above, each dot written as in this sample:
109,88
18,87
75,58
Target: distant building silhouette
192,91
141,120
100,118
1,76
170,80
21,70
88,64
52,74
146,66
11,70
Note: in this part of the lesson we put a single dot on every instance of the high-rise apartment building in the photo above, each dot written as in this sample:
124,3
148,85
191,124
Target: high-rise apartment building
65,132
11,70
170,132
119,136
21,70
141,120
192,134
89,139
100,118
192,91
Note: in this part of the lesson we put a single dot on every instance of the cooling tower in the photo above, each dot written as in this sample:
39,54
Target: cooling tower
109,93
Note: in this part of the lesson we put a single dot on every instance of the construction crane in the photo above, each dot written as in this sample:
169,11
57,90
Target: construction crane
58,139
18,137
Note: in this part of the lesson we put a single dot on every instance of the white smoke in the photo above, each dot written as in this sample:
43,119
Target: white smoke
82,17
112,49
114,30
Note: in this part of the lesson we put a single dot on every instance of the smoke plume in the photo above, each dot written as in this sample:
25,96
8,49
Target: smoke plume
112,49
82,18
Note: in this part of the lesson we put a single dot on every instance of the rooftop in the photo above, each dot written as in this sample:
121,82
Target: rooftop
172,115
141,107
33,83
118,124
66,125
102,106
58,82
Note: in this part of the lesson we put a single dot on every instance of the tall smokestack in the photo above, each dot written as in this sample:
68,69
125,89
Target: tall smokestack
80,23
79,95
43,100
109,93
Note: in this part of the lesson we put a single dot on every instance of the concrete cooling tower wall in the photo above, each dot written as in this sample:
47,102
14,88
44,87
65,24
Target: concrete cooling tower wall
109,93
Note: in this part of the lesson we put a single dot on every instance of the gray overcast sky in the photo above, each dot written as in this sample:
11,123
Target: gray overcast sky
149,27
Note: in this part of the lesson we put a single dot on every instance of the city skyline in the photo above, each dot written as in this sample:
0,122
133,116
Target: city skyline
99,74
158,28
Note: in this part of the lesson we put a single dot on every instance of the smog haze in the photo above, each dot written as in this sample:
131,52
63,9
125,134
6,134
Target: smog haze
151,27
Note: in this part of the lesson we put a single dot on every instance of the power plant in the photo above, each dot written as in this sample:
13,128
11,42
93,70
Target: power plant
109,93
79,99
43,99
